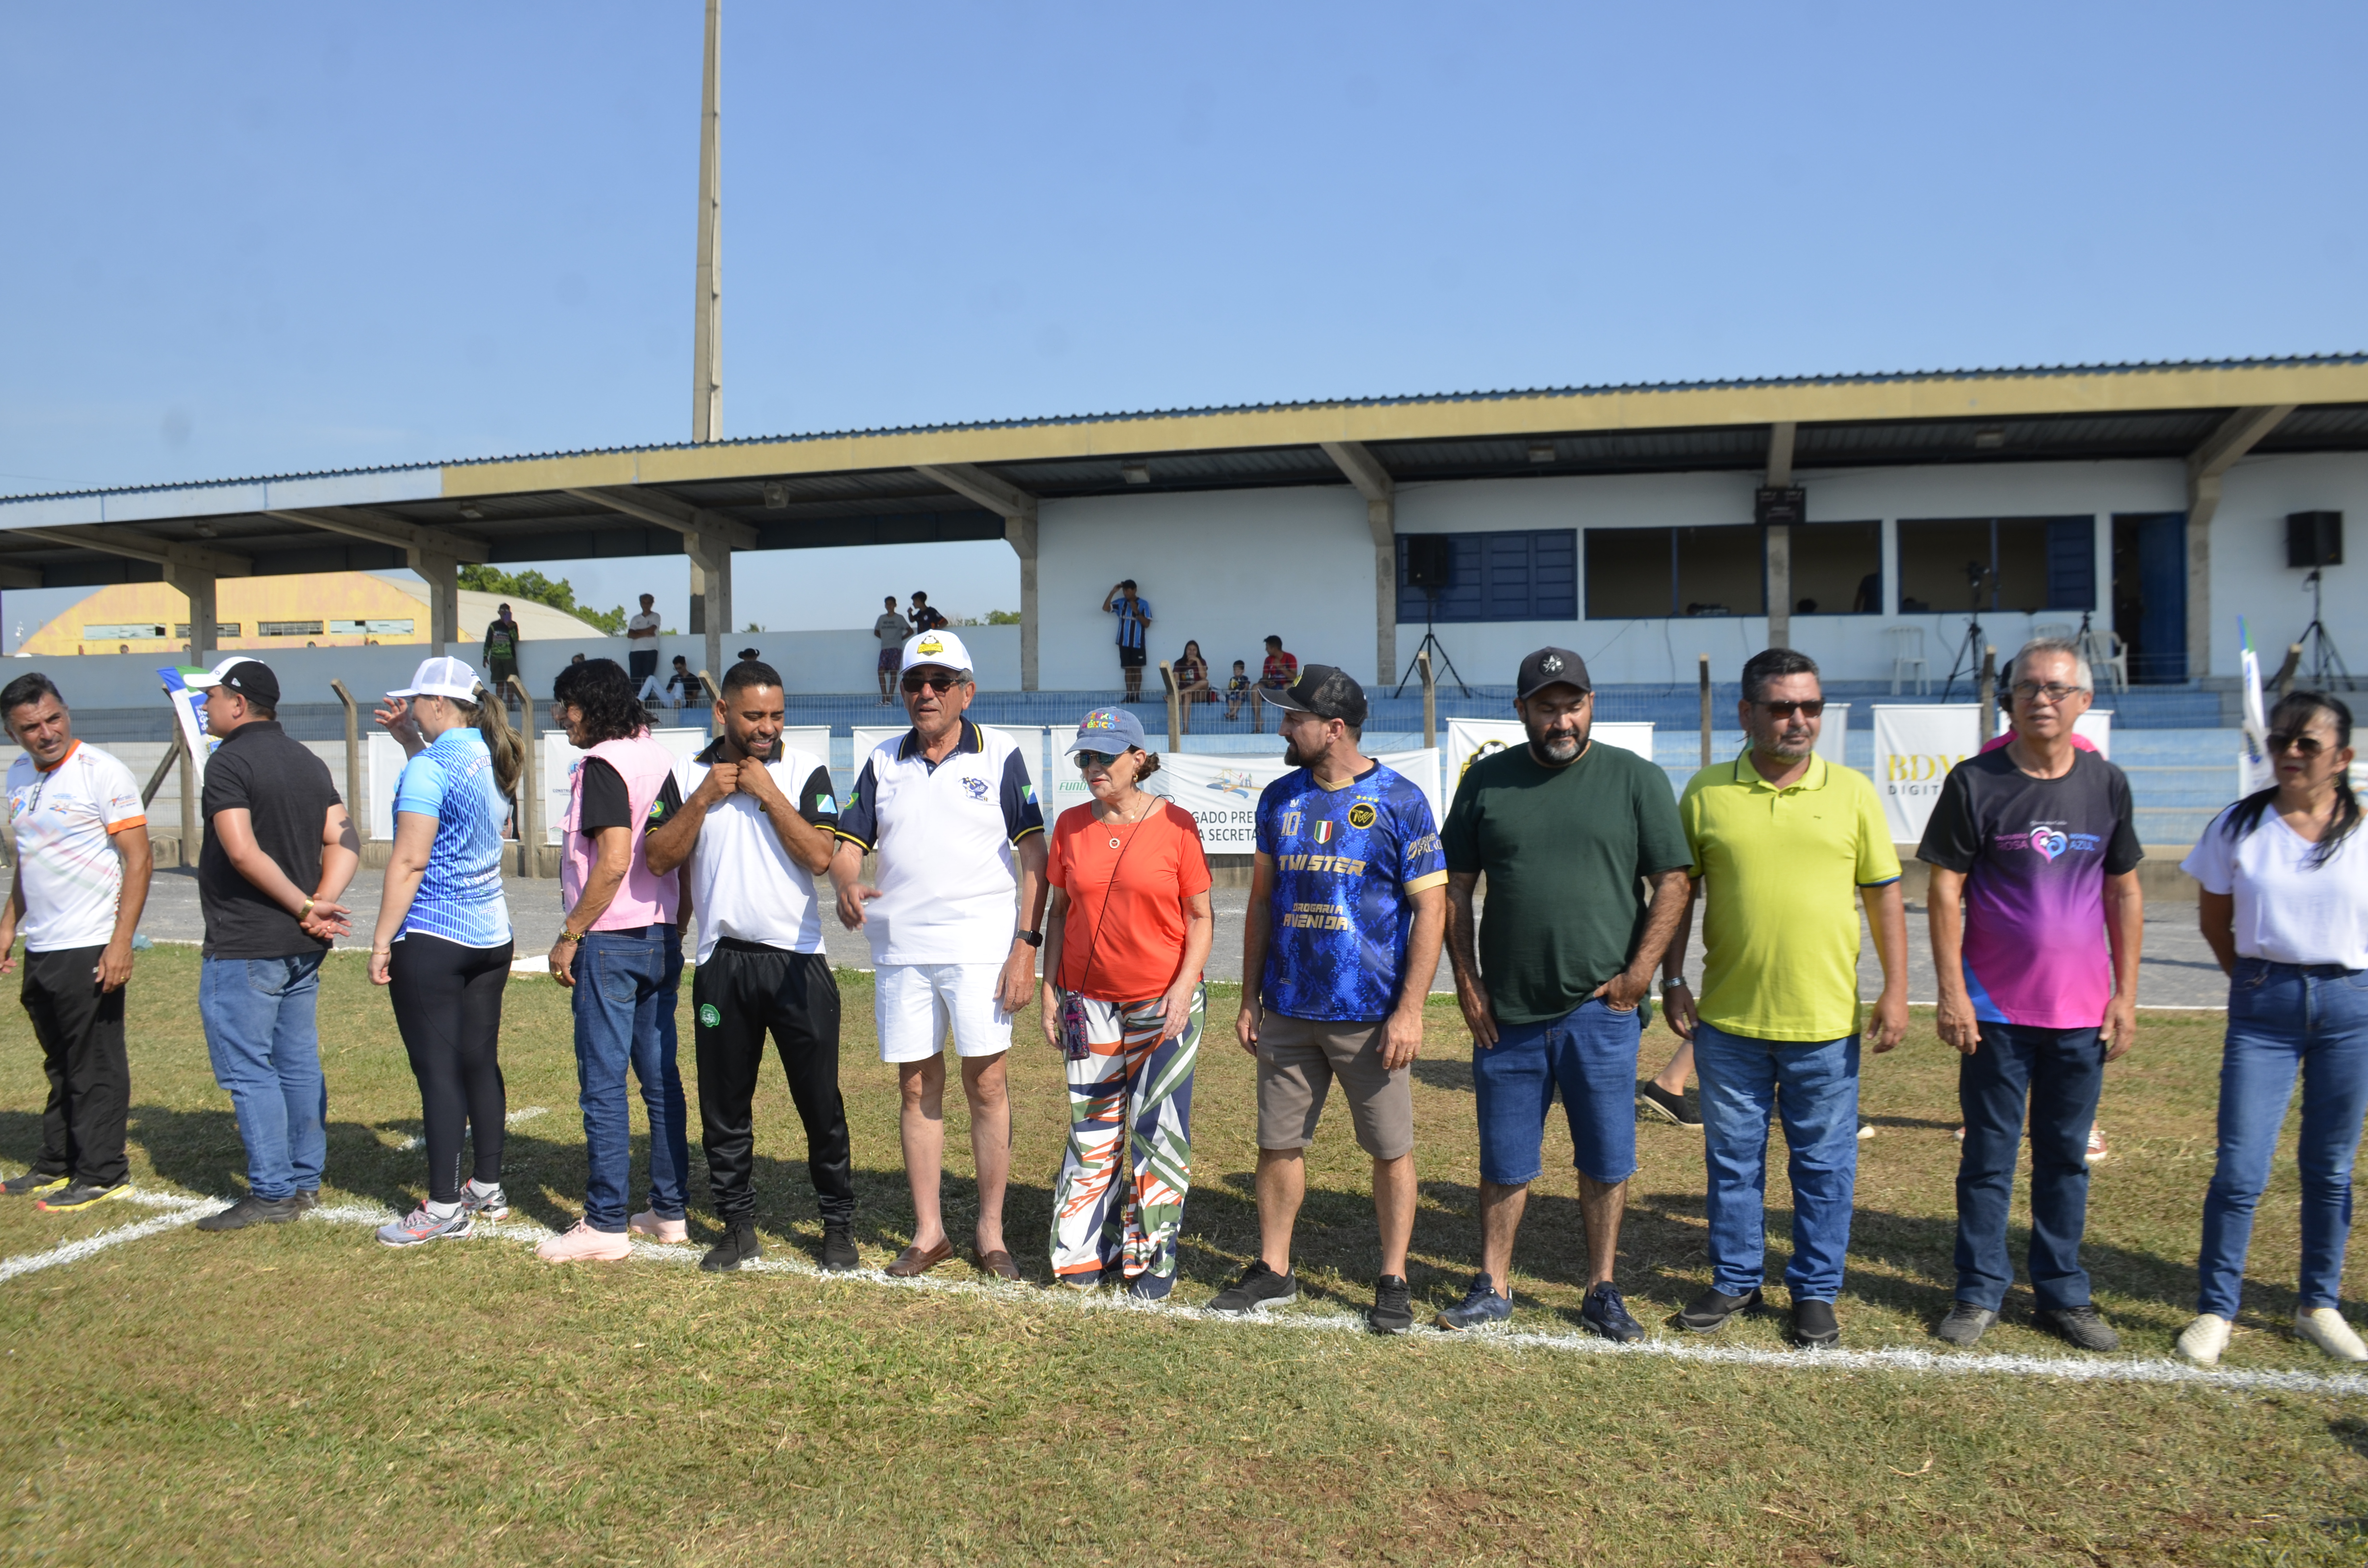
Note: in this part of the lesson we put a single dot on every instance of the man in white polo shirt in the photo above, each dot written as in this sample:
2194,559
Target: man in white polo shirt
82,879
951,813
756,824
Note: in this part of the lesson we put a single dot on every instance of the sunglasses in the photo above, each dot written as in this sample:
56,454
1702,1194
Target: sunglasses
2306,747
914,684
1089,760
2054,691
1809,710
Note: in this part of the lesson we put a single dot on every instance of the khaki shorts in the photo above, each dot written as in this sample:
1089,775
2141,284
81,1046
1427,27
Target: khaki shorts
1298,1058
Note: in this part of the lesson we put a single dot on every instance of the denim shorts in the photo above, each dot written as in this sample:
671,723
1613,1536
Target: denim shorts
1589,1052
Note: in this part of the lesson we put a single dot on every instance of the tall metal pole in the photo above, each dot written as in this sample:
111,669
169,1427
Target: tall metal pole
706,347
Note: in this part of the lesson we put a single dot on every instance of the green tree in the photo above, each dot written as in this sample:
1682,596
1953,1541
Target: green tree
1002,618
537,588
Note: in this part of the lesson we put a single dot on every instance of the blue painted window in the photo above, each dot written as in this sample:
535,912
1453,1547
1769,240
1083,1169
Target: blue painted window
1516,574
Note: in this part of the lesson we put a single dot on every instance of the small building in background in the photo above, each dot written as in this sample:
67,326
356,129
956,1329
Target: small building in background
327,609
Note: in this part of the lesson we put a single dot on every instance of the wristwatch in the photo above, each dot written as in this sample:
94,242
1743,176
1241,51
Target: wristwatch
1033,939
1672,982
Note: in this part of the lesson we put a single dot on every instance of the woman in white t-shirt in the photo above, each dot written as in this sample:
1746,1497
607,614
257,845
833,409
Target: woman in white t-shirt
2284,906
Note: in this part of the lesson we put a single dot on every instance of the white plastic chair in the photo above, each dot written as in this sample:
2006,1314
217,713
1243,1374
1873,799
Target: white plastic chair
2054,631
1906,644
2107,655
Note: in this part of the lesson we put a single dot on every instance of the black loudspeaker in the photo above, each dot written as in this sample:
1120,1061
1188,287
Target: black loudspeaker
2313,539
1430,562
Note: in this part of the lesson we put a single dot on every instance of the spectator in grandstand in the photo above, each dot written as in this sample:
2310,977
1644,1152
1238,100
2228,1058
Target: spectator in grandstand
1781,842
2036,843
1133,619
83,864
442,946
619,955
501,650
2284,906
758,823
952,814
1126,936
1239,690
1568,834
1192,675
681,685
274,827
642,639
1280,670
890,626
923,617
1348,904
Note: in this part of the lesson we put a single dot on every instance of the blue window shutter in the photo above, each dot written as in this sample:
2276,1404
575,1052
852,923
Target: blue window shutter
1513,574
2071,564
1554,575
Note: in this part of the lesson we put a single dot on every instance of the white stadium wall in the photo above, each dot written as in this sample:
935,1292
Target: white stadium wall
2249,575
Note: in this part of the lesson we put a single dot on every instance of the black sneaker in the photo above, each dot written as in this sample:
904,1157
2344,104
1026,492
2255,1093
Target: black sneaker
32,1184
1814,1325
738,1249
1708,1312
1393,1308
1481,1307
253,1211
839,1254
1257,1288
2079,1326
1964,1325
308,1198
1607,1313
1662,1106
80,1195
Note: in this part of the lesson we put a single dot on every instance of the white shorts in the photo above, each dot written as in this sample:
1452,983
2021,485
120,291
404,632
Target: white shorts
915,1003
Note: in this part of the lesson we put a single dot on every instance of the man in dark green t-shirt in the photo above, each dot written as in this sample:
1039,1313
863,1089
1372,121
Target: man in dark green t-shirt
1570,834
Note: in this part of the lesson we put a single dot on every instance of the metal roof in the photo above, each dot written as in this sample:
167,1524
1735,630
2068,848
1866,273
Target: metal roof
865,487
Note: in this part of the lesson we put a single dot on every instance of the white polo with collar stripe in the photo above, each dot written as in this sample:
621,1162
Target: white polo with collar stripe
945,834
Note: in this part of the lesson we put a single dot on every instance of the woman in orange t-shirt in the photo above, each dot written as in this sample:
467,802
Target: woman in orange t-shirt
1124,942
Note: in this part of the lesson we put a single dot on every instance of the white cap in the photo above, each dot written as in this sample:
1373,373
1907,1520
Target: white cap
213,677
940,648
441,678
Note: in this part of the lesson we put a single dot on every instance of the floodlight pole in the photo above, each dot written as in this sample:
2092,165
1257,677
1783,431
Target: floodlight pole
706,338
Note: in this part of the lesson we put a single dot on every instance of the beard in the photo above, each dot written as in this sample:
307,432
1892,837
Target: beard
1297,758
1557,749
1791,748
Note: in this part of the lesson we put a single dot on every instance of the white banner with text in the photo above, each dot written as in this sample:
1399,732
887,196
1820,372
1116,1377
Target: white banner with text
1914,747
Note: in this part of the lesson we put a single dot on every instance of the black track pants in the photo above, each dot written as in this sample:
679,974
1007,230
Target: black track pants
448,1003
81,1031
740,991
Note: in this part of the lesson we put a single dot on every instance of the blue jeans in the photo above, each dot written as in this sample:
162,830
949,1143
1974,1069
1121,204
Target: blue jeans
625,984
2059,1073
2283,1020
1811,1085
258,1016
1589,1051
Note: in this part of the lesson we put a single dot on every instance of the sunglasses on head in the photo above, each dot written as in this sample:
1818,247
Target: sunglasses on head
2297,741
914,682
1808,709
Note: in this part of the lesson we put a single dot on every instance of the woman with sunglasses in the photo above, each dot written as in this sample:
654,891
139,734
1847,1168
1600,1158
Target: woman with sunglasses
2284,906
1124,941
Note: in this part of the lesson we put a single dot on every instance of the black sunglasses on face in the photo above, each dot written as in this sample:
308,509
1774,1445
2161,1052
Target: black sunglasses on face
914,682
1089,760
2306,747
1809,710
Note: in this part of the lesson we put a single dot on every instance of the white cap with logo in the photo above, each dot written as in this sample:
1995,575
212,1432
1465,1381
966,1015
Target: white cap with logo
441,678
940,648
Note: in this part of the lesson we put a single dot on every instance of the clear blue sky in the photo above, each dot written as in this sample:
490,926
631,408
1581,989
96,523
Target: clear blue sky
276,237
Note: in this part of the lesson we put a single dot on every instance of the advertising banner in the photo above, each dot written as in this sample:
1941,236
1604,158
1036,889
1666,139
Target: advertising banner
1222,791
1915,745
1468,739
189,715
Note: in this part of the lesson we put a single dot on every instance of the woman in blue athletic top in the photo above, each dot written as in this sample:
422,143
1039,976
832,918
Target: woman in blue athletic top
442,948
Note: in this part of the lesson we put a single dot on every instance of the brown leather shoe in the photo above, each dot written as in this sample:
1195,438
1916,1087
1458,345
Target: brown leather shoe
914,1261
998,1263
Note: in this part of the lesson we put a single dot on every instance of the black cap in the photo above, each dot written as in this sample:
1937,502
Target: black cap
1325,691
1552,666
248,677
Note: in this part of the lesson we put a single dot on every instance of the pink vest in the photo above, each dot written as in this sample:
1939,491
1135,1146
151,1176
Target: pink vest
644,899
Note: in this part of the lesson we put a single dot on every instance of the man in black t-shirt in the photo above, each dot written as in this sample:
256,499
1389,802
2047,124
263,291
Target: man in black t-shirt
274,829
501,649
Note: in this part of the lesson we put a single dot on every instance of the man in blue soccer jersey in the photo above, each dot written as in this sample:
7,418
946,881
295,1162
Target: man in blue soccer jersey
1348,906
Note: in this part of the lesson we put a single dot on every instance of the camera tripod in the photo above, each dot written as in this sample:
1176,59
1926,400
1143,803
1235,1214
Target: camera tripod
2323,655
1969,649
1430,641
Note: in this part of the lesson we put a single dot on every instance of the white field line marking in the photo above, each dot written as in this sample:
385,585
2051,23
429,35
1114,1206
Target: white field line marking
2062,1368
526,1113
184,1211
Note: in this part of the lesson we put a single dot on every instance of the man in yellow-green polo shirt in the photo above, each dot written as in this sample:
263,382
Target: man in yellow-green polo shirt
1784,849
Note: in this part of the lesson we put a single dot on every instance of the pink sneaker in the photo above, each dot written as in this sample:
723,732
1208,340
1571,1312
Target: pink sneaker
664,1231
584,1243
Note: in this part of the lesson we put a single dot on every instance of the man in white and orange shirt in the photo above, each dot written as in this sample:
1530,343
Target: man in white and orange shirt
82,879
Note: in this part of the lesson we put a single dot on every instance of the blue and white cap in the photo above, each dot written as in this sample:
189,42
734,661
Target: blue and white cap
1109,731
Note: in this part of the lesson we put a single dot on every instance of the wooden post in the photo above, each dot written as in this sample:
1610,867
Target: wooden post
2285,681
353,759
188,799
1705,709
1989,694
1175,714
1430,700
157,779
529,790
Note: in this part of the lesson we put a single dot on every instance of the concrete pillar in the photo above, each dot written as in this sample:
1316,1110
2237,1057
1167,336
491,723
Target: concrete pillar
1020,532
1382,518
710,565
196,585
698,622
1779,585
442,575
2203,502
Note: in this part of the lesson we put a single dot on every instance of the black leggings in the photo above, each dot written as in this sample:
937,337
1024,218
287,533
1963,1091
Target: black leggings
448,1003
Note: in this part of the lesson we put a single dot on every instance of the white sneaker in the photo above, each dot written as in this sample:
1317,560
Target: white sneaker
2203,1340
2324,1327
664,1231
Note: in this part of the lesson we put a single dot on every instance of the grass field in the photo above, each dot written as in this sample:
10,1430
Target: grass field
298,1394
